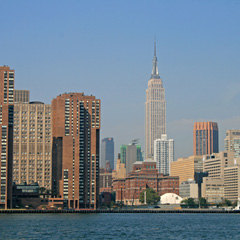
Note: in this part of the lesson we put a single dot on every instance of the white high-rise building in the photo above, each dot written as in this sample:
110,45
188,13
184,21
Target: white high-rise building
164,154
155,109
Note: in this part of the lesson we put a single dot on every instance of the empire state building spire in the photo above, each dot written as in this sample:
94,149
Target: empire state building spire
155,74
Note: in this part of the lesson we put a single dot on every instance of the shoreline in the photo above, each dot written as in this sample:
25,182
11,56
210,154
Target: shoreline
88,211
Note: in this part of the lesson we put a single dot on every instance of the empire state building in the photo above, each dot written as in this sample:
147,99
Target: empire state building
155,109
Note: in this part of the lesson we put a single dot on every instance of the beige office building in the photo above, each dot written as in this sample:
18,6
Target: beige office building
232,181
186,167
214,164
213,189
120,171
188,189
32,148
214,186
21,96
232,142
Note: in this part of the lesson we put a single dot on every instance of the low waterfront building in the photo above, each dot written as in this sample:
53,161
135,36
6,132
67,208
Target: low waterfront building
144,175
222,177
170,198
213,189
188,189
232,181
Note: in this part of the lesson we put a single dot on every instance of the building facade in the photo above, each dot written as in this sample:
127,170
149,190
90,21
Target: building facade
144,175
120,171
205,138
32,148
232,142
213,186
213,189
22,96
75,157
232,182
214,164
107,153
7,76
188,189
105,180
164,154
186,168
155,109
130,154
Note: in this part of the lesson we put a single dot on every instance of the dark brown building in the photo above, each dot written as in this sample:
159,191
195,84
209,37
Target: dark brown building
75,156
144,175
6,135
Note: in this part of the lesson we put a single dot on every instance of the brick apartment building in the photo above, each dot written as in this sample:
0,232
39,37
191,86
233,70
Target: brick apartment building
6,135
75,157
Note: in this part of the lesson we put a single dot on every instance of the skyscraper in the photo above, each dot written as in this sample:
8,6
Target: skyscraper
75,157
164,154
32,148
232,142
6,135
107,152
130,154
155,109
205,138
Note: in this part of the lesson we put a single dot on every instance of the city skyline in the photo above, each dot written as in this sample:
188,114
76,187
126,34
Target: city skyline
197,46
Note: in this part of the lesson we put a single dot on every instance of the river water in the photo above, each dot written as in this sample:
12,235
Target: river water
120,226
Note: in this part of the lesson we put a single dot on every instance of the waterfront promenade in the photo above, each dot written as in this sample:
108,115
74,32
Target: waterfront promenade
14,211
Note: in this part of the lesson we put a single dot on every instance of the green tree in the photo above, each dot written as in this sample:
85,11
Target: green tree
151,196
235,203
190,203
226,202
203,202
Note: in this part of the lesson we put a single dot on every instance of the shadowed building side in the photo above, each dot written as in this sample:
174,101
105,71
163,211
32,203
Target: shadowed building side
6,135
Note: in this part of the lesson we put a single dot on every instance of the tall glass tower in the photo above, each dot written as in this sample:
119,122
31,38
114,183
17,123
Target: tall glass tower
155,109
107,152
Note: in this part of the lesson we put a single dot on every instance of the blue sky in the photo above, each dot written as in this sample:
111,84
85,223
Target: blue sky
105,48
